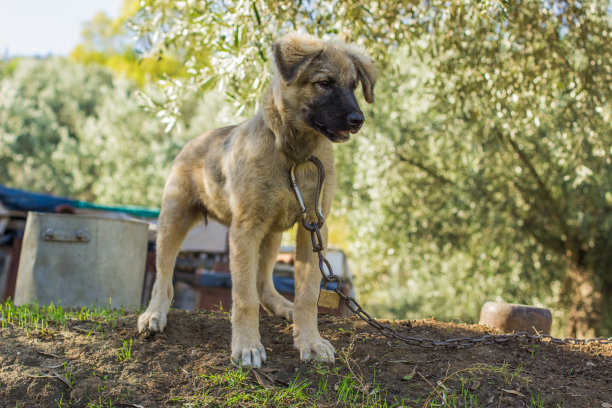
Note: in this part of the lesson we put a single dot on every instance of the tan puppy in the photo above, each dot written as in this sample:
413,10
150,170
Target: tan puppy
240,176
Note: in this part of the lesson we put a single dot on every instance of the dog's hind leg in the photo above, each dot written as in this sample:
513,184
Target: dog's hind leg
175,220
269,297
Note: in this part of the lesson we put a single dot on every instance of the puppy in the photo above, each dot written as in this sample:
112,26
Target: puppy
240,176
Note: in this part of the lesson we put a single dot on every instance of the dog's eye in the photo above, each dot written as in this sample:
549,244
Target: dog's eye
324,84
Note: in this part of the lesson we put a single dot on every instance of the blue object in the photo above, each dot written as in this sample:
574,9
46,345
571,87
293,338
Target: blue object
20,200
223,280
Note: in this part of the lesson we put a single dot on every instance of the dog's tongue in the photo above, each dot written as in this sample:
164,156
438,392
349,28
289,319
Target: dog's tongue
344,132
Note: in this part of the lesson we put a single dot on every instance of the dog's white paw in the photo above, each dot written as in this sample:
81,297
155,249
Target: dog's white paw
283,309
153,321
315,348
277,305
249,355
286,312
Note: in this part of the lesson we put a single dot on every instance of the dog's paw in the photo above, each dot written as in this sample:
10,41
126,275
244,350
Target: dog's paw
277,305
249,355
152,321
283,309
315,348
287,313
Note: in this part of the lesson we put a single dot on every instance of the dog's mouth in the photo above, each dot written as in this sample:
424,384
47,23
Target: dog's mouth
337,136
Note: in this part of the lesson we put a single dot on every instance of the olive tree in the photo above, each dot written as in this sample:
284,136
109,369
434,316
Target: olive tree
79,131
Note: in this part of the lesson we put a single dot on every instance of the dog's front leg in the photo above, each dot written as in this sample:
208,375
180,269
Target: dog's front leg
245,240
307,287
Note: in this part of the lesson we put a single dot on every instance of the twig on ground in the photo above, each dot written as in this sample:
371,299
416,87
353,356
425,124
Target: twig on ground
44,353
52,375
259,378
435,389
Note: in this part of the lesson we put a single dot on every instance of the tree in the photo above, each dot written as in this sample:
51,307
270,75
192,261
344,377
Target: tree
78,131
108,42
530,98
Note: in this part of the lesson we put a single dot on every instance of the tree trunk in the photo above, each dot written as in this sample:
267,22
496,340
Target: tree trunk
584,319
606,306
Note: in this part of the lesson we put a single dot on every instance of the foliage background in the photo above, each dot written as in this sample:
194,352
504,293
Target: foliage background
81,132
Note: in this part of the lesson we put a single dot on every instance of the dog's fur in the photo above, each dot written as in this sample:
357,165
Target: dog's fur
240,176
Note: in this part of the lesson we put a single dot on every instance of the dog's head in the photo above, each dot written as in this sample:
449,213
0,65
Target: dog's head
316,83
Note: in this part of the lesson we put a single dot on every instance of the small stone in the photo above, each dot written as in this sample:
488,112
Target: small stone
512,318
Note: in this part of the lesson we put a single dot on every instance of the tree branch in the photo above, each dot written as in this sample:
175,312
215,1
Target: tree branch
571,243
538,231
556,211
426,169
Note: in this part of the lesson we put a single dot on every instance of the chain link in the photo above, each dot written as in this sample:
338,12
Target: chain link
329,277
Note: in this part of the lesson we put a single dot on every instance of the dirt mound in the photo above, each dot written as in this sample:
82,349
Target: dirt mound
86,364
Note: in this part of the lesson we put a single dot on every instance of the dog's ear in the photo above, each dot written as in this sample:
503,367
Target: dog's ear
294,53
366,71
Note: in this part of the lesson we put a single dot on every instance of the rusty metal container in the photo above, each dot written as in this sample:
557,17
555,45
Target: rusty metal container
82,260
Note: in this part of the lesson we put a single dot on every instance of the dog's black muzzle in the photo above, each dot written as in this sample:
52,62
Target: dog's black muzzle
337,115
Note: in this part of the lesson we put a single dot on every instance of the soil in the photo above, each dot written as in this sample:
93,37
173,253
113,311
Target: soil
69,366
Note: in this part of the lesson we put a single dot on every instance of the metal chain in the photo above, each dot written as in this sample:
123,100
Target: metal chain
329,277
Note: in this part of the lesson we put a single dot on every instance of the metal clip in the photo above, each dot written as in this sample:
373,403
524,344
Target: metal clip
298,194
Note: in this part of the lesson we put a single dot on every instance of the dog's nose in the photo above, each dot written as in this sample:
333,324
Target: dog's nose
355,120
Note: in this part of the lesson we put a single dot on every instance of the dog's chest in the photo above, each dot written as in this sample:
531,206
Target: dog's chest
288,210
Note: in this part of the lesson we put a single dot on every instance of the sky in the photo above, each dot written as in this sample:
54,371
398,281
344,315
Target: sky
44,27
